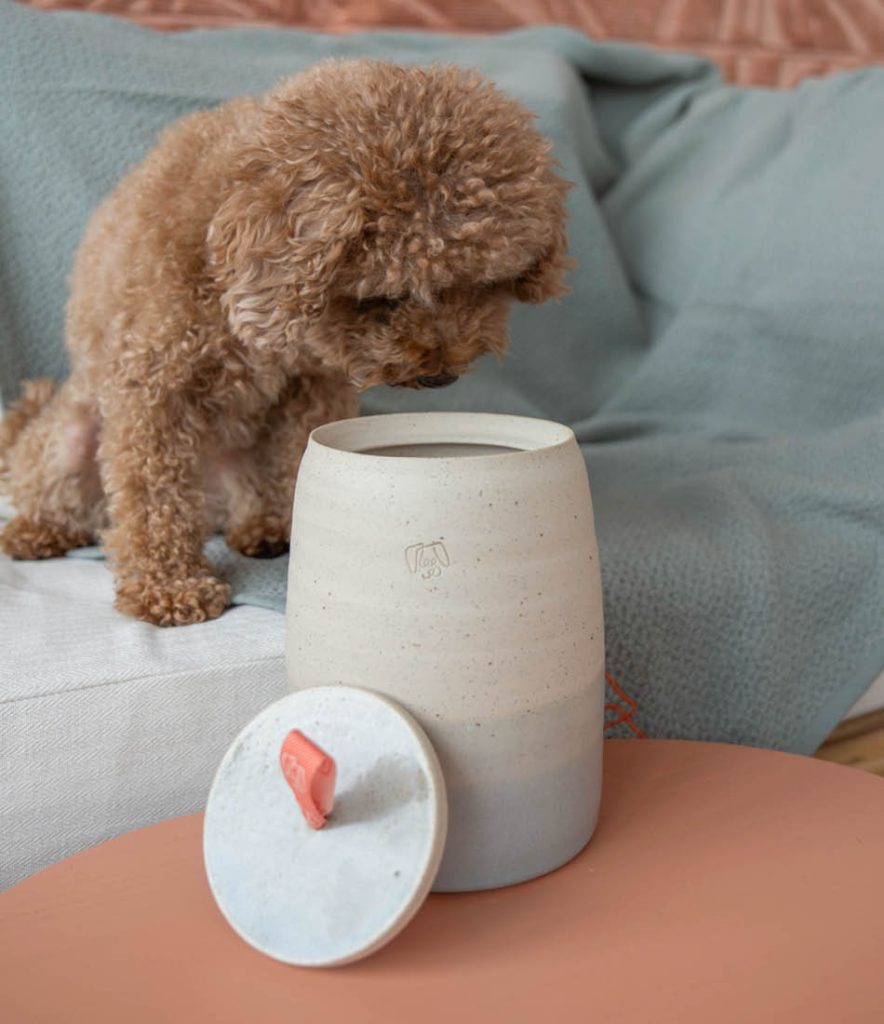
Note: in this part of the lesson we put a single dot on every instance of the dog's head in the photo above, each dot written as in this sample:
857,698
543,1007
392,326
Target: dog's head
387,217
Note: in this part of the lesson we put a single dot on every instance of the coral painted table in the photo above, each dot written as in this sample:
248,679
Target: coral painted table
724,884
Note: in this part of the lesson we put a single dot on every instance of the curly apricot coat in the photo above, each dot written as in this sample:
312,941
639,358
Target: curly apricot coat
363,223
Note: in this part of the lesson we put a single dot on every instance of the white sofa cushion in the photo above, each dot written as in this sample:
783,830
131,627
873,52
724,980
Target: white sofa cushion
107,723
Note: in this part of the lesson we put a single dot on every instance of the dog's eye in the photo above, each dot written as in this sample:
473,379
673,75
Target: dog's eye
378,304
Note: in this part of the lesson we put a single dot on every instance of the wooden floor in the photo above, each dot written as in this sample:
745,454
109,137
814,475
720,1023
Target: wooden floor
858,743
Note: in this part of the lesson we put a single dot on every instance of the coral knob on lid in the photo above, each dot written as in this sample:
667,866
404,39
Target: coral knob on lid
311,773
325,826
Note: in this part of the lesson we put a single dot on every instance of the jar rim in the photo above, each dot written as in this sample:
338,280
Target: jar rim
363,435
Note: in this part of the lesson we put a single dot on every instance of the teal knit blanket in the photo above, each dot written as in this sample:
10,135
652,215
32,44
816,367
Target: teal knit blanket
720,356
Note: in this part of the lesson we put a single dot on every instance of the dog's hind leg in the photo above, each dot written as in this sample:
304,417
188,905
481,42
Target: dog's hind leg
52,478
261,483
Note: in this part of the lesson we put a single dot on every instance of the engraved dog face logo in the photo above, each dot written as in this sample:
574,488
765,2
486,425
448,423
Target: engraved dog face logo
427,559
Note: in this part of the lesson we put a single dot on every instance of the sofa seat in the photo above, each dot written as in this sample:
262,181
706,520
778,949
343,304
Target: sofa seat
108,723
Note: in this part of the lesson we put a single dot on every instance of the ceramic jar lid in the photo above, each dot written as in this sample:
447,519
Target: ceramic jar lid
326,895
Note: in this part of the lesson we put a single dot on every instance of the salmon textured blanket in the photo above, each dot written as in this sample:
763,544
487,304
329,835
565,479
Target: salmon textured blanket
719,357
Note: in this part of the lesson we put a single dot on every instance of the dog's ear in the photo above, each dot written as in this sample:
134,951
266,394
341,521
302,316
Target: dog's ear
545,278
440,553
413,555
274,246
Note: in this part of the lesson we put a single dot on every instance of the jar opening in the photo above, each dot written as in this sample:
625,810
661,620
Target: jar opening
440,450
441,435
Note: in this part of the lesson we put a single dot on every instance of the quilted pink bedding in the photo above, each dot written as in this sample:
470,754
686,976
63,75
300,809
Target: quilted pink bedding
761,42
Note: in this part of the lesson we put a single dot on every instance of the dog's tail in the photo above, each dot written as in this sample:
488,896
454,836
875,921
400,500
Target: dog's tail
35,395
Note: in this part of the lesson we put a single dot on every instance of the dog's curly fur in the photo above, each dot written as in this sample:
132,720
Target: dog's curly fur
363,223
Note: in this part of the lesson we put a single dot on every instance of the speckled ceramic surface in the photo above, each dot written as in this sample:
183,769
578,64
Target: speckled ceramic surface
325,897
468,590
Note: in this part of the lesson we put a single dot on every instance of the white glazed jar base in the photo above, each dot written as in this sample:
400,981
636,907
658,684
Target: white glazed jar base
468,590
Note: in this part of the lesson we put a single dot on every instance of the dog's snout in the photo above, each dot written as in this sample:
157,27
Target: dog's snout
438,380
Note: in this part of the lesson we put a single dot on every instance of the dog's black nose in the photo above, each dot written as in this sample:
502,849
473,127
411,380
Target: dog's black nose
440,380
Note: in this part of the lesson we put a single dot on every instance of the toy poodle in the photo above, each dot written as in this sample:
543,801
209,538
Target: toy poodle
362,223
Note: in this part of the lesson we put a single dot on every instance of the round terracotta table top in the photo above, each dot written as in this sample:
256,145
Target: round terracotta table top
724,884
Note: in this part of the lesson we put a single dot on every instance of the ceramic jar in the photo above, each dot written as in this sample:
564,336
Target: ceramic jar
449,561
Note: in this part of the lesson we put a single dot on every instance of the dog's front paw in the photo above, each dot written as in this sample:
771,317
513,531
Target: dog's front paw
29,539
262,537
165,601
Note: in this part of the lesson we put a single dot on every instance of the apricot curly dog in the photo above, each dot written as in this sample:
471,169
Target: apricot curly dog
362,223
